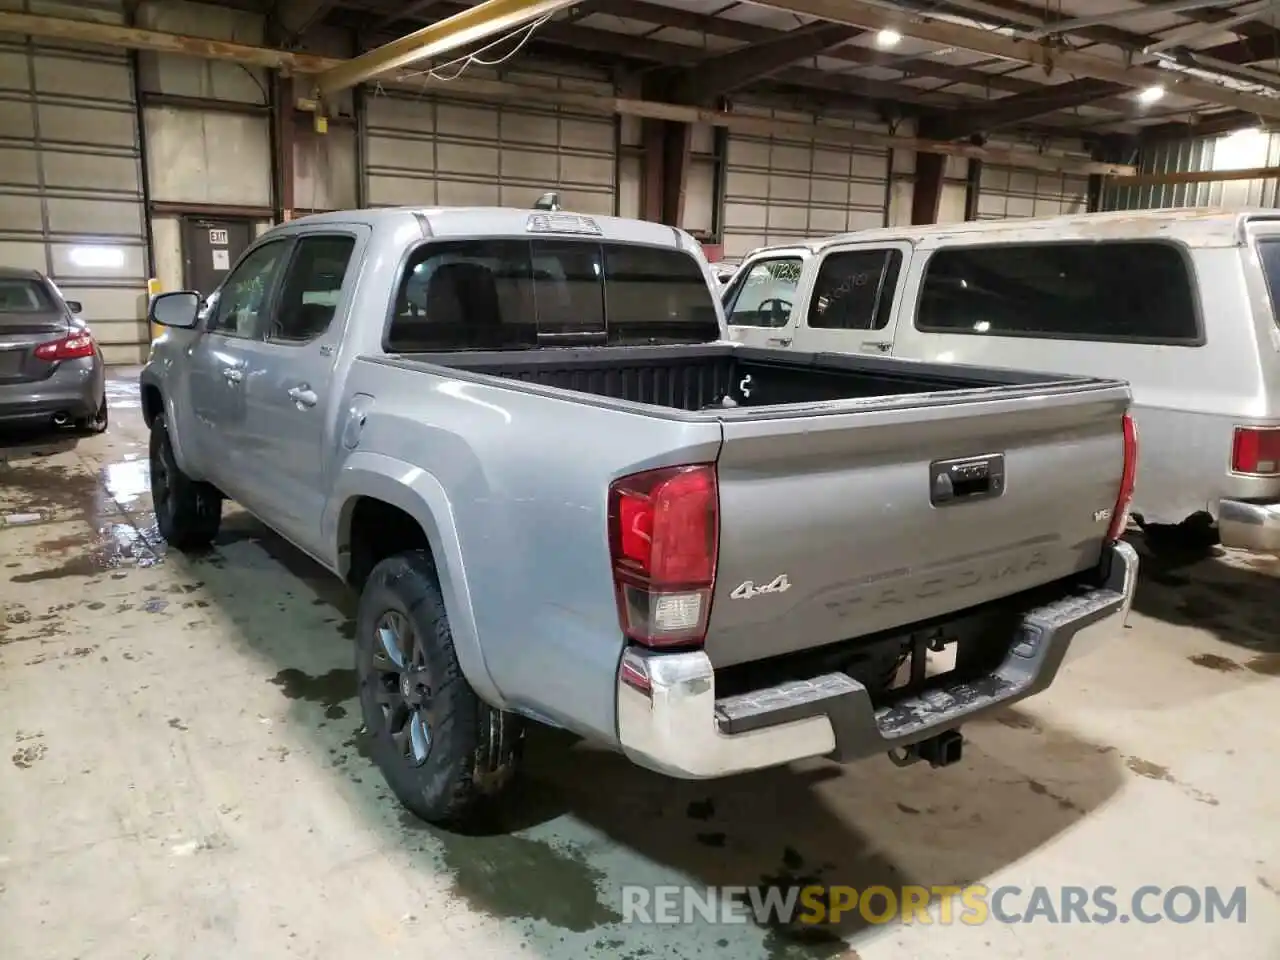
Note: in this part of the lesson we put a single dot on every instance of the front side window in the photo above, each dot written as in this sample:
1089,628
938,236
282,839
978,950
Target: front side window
311,288
243,297
764,294
854,290
1122,291
512,294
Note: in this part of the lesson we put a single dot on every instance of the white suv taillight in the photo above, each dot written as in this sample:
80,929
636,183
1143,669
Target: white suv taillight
1256,451
663,538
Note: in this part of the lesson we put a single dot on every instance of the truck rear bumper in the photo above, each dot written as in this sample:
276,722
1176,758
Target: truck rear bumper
1249,525
669,719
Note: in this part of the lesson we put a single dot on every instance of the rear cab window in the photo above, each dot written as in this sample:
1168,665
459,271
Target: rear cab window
509,294
1125,292
24,295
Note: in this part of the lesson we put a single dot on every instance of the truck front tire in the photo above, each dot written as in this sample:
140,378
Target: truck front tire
442,750
188,512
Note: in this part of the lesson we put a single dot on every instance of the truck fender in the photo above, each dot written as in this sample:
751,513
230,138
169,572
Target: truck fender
149,380
419,494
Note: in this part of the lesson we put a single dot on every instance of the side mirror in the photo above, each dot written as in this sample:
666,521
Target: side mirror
74,306
177,309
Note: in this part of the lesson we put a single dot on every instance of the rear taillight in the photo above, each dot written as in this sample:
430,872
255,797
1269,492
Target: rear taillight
68,348
663,536
1256,450
1129,476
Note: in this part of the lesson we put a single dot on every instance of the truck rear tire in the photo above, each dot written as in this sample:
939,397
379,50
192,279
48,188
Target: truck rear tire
188,512
442,750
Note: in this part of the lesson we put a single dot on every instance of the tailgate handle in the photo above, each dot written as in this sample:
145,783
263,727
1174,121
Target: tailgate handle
966,479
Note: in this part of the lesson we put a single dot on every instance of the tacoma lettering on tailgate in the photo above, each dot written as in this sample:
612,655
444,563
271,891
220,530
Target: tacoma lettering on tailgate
873,596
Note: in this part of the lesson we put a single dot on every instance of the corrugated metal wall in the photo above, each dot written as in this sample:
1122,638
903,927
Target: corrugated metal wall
1242,150
71,184
777,190
70,179
437,150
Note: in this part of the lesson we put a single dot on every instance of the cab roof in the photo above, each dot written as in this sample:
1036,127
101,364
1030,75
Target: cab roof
462,222
1204,227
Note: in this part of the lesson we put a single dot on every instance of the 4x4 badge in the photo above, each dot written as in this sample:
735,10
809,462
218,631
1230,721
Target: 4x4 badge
748,590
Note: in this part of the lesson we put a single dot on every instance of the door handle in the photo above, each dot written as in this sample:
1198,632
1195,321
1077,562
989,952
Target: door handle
303,396
780,341
877,346
232,375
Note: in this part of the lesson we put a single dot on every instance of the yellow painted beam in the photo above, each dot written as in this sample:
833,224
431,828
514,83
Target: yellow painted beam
489,19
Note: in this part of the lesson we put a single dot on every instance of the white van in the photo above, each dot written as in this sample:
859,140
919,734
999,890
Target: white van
1177,302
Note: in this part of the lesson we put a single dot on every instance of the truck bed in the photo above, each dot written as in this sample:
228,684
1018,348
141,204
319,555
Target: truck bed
695,378
882,492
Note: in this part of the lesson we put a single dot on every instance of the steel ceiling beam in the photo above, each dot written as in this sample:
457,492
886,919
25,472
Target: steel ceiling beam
627,46
1216,124
744,32
856,13
730,71
1027,106
1072,24
1181,36
494,90
132,38
1077,93
404,12
488,19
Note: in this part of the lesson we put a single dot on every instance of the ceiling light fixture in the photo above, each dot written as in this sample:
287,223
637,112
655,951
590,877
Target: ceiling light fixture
888,38
1151,94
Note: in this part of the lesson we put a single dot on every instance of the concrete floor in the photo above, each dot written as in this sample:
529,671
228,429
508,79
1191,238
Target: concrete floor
185,776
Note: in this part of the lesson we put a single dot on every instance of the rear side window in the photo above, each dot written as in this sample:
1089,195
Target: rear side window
854,290
20,295
1122,292
512,294
1269,254
312,286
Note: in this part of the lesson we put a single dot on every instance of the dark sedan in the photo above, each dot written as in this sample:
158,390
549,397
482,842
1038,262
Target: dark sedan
51,369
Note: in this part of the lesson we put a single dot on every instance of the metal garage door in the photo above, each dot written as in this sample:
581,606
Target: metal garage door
776,190
1016,192
454,153
70,194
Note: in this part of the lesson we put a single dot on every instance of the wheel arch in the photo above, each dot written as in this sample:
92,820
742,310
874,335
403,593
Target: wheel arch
368,477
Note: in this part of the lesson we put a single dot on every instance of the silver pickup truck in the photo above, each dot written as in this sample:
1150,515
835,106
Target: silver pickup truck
566,498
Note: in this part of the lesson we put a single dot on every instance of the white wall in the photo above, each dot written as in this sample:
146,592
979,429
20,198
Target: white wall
779,189
433,148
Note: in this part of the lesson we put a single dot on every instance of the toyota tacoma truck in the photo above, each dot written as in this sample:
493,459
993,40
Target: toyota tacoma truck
564,497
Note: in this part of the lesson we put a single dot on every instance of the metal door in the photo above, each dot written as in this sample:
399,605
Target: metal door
760,304
210,248
855,299
289,382
218,365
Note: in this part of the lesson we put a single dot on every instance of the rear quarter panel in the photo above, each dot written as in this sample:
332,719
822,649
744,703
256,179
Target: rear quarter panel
525,476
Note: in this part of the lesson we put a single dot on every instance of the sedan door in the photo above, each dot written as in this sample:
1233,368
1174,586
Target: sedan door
760,304
218,363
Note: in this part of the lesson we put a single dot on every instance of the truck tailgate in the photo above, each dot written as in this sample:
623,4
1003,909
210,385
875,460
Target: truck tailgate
866,516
